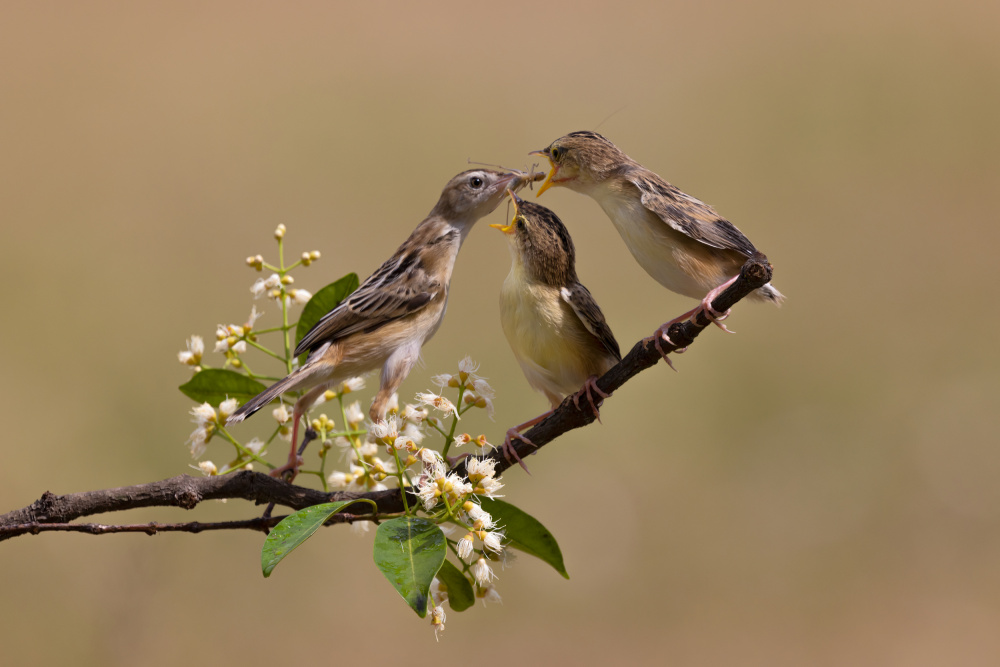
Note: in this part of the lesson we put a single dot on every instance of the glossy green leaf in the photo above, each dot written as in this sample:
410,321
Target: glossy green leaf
460,593
295,529
409,552
215,385
524,533
323,301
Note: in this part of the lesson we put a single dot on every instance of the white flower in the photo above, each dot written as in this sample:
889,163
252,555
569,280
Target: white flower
199,442
255,445
437,592
354,414
254,316
413,414
465,546
437,402
392,405
489,487
239,346
437,619
442,380
462,439
457,486
479,469
228,407
428,493
195,348
467,365
489,594
352,384
300,296
413,433
258,288
480,517
203,414
482,572
358,527
491,540
273,281
386,429
280,414
483,388
208,468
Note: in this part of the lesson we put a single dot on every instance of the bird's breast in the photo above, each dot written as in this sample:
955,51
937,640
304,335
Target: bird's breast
672,258
554,349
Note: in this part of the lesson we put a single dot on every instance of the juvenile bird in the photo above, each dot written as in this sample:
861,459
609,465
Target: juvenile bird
680,241
386,321
557,332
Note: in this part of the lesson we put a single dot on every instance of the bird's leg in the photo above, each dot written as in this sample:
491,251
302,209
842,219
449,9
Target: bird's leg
712,314
589,389
291,468
661,334
515,432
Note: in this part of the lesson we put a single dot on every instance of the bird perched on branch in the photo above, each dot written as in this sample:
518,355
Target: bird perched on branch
555,328
680,241
386,321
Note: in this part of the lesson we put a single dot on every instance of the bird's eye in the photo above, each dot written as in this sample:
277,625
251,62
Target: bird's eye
555,154
520,224
476,182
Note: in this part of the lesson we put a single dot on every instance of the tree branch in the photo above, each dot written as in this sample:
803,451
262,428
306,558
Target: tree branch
52,512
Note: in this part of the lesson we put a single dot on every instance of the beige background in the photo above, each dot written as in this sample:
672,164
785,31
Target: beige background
820,489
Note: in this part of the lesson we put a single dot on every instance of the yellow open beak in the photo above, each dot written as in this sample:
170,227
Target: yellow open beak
552,171
508,228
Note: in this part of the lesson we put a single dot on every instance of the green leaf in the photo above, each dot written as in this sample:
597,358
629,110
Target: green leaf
323,301
409,552
214,385
295,529
524,532
460,593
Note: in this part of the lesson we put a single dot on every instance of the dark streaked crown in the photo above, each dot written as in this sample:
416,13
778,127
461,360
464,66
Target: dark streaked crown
587,150
544,244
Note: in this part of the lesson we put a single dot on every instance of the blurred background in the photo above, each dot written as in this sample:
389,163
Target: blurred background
819,489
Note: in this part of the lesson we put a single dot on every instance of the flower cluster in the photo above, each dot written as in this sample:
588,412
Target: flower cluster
366,457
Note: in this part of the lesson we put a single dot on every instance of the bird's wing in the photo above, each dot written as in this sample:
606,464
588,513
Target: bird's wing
399,287
688,215
583,304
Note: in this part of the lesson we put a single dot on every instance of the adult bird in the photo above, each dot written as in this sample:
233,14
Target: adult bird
397,309
680,241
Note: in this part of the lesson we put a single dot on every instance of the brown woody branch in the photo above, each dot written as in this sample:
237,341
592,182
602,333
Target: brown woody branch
53,513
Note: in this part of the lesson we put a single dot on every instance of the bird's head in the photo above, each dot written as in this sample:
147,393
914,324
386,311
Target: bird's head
579,161
475,193
540,243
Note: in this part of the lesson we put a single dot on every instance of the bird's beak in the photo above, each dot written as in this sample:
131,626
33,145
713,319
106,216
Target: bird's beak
552,171
509,228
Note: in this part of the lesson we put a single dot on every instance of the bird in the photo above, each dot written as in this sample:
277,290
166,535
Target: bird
384,323
555,328
680,241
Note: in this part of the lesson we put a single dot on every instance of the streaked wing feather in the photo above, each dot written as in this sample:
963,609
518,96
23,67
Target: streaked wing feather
688,215
586,308
397,289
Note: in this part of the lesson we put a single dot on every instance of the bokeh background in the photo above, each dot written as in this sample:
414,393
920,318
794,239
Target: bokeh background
821,488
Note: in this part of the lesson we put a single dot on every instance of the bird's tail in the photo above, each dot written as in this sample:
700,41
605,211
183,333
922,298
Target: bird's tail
769,293
265,397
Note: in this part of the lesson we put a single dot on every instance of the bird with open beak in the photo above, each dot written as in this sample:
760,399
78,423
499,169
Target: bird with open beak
556,330
680,241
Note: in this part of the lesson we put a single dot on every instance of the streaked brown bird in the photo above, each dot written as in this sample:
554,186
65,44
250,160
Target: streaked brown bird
397,309
556,330
680,241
